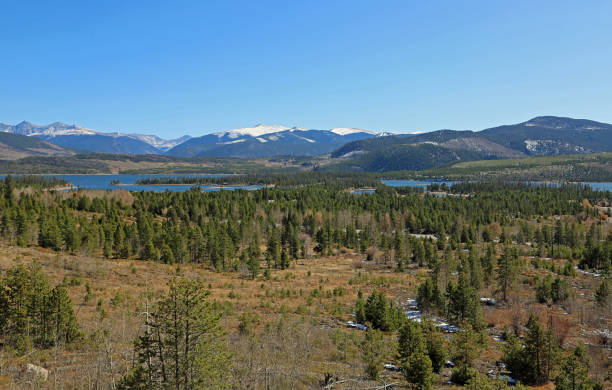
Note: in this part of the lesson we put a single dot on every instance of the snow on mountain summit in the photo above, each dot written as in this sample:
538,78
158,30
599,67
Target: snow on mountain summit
52,130
255,131
347,130
263,129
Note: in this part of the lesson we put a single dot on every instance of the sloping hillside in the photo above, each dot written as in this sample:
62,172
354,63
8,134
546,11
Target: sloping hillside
541,136
14,146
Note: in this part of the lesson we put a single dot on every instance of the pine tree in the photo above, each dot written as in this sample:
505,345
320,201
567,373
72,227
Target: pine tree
464,303
31,312
436,346
574,371
253,265
360,315
273,249
412,349
373,352
507,271
602,294
182,346
533,359
488,264
466,349
284,260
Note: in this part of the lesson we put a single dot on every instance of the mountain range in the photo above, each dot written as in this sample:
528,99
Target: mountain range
270,140
540,136
257,141
84,139
351,149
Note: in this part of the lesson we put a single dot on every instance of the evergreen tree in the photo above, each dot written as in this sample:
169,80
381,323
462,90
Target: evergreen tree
464,303
360,315
253,265
574,371
182,345
373,352
429,296
273,249
34,313
466,349
532,360
602,294
436,346
507,271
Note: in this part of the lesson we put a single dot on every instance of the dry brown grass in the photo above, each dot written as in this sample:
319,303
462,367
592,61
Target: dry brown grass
300,299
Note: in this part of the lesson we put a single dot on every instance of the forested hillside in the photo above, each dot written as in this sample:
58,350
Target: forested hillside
541,136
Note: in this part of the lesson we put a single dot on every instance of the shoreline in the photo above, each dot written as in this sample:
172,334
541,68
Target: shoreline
211,185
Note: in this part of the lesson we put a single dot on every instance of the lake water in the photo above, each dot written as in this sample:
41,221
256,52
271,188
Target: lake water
424,183
415,183
103,182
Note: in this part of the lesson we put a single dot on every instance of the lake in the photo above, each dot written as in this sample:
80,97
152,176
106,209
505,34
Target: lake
415,183
424,183
103,182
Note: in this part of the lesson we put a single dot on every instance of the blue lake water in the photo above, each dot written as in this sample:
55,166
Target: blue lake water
424,183
363,191
415,183
103,182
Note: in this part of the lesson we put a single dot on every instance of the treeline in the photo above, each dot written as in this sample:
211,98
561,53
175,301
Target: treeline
35,181
278,179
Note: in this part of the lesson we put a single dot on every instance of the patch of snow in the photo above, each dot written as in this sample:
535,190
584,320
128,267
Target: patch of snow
305,139
157,142
255,131
392,367
355,325
531,144
347,130
414,315
352,153
236,141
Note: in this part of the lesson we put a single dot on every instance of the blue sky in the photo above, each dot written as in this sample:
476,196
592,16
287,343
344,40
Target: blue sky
193,67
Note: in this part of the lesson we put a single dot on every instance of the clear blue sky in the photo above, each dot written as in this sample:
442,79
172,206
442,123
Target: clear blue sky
192,67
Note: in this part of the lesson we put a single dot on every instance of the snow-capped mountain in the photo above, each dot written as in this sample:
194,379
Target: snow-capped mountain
82,138
160,143
258,141
254,131
270,140
52,130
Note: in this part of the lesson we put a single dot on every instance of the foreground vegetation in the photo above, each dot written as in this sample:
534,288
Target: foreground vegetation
253,289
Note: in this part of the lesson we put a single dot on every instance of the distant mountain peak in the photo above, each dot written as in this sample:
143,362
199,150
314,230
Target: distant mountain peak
25,125
564,123
255,131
